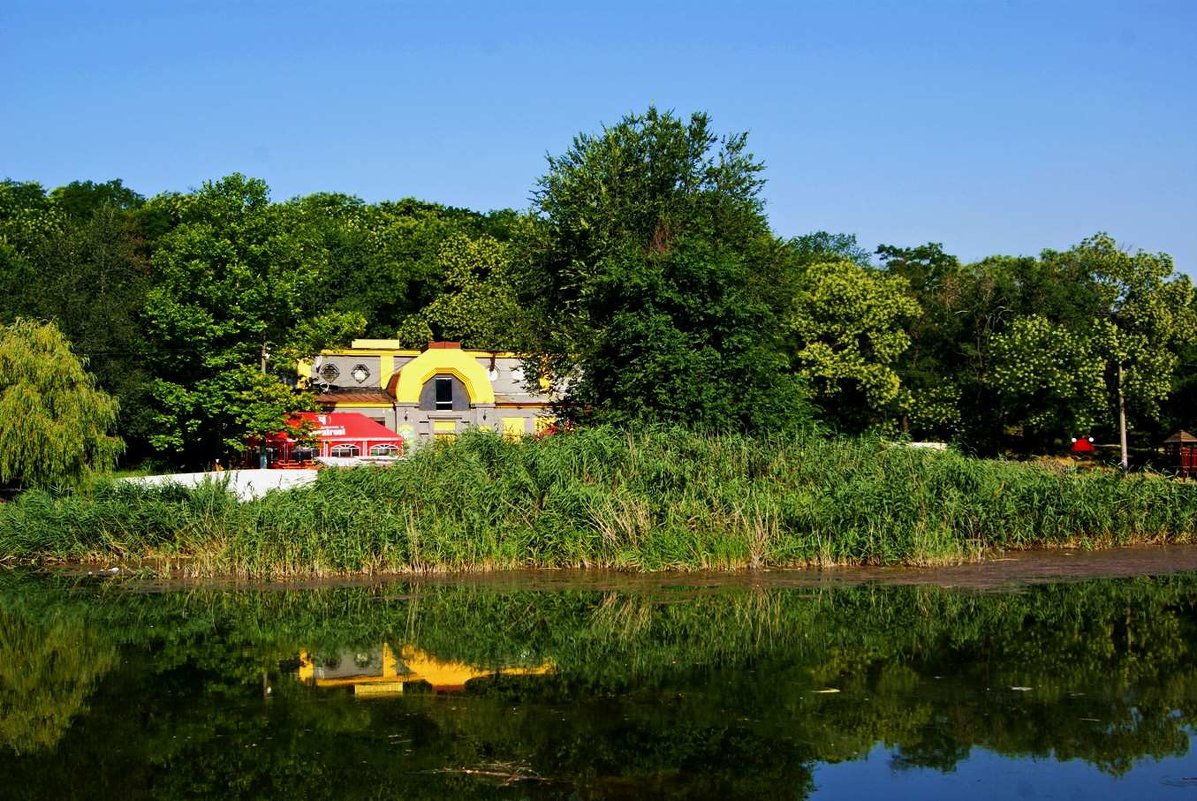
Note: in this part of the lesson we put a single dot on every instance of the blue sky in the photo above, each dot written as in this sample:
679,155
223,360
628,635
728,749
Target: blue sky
992,127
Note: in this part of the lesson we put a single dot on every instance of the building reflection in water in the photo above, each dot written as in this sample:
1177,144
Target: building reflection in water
383,672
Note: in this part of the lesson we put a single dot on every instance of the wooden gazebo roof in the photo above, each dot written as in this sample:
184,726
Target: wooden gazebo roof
1181,438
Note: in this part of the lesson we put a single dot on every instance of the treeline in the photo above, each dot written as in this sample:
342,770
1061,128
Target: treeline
645,280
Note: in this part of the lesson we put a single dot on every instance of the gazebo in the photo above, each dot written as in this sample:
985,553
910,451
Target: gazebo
1181,450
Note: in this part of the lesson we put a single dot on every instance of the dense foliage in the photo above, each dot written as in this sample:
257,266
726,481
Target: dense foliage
644,282
55,425
663,499
659,290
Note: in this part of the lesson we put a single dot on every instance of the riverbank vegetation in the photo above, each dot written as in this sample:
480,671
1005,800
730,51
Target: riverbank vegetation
646,286
662,499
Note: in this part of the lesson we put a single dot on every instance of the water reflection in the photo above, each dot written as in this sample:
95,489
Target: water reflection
673,693
47,673
381,672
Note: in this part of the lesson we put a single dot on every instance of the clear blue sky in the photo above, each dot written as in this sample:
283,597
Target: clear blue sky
992,127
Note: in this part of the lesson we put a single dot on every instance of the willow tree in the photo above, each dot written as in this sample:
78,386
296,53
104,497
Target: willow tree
54,421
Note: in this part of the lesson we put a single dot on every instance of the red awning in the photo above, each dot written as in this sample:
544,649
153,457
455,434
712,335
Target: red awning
349,426
338,429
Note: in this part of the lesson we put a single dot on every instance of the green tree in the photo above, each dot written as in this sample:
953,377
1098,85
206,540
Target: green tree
849,323
822,246
27,217
234,298
384,259
81,199
939,369
1069,339
81,266
1147,315
480,307
21,200
1048,377
54,422
92,282
655,286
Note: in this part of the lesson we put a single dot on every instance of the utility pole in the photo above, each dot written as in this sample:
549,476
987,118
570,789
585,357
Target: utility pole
262,465
1122,420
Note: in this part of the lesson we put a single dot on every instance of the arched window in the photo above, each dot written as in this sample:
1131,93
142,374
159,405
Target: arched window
384,450
444,393
346,450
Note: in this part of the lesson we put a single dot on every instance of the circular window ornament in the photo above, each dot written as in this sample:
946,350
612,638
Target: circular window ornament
330,372
360,373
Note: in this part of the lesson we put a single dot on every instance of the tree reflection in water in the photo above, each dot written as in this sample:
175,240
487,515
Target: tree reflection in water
673,693
47,671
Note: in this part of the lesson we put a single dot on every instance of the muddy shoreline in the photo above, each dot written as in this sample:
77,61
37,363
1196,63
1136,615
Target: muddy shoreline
1003,571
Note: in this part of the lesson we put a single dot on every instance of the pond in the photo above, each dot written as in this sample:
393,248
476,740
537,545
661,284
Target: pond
671,687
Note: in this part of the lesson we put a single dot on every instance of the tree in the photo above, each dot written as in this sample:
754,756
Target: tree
1147,315
54,422
1073,337
655,286
384,259
235,297
849,326
81,199
479,307
822,246
1048,377
92,282
83,270
996,349
939,369
27,217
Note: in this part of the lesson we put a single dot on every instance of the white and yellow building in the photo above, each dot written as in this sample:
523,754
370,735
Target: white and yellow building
437,392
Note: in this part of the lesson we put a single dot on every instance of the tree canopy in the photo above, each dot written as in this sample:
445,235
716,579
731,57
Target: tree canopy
54,421
656,284
644,281
849,324
235,287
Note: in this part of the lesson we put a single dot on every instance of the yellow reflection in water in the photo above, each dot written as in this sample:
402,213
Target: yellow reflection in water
382,671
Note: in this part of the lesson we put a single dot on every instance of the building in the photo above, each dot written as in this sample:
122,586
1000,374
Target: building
438,392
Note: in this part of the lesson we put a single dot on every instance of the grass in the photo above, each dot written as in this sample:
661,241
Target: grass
655,500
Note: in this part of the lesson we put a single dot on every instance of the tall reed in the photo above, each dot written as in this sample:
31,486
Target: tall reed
654,500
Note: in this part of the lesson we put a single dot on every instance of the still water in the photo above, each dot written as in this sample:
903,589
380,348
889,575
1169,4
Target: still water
1080,689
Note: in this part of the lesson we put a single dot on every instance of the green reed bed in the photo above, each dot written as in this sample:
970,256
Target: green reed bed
655,500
